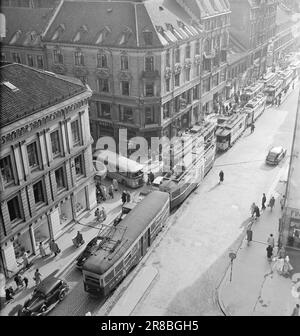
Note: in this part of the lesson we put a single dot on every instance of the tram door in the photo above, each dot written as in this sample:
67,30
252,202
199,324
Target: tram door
145,242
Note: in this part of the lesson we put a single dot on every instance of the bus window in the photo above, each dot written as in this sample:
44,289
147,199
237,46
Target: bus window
109,276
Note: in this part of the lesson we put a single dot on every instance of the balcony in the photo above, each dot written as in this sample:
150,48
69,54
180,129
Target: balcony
154,74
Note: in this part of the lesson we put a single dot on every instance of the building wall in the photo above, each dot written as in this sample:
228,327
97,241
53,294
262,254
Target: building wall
30,214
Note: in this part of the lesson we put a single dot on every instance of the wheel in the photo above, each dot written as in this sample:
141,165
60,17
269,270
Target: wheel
61,296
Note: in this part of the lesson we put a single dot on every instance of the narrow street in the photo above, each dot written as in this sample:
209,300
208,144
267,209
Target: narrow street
193,255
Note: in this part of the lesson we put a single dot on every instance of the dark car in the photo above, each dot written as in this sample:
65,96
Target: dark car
275,155
45,297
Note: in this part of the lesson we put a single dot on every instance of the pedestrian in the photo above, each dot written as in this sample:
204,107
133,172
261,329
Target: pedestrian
111,191
103,191
128,197
221,176
252,127
25,260
279,99
150,177
37,277
293,85
8,294
25,279
271,241
263,201
54,247
256,211
115,184
252,209
272,202
269,252
282,201
281,253
18,280
42,250
124,197
296,310
287,267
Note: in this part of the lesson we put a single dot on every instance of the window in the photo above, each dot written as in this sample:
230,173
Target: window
75,133
60,178
79,167
79,58
33,155
149,116
58,57
187,74
55,143
196,92
109,277
168,84
16,57
222,75
103,110
6,170
40,62
166,110
177,55
38,192
125,88
206,85
14,209
198,68
149,89
177,104
30,60
197,48
149,63
177,79
2,57
126,114
124,62
215,80
188,51
103,85
168,58
101,61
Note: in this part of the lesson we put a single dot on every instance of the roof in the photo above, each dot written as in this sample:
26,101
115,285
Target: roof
34,90
129,229
120,23
276,150
25,25
48,284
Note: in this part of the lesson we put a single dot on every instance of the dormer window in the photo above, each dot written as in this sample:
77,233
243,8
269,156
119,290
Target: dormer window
15,37
148,37
82,30
103,35
125,36
60,29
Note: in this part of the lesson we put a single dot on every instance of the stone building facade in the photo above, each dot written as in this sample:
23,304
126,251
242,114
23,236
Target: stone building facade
47,175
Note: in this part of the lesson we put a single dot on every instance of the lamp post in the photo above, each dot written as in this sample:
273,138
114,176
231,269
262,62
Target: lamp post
232,256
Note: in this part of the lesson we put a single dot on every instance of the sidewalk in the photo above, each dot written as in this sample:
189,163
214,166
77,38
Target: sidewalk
59,264
257,289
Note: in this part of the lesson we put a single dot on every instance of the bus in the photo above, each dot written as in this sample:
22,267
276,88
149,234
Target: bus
231,131
250,92
125,171
125,244
255,107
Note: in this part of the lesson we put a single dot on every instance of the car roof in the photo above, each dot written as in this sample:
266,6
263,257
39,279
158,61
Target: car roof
276,150
48,284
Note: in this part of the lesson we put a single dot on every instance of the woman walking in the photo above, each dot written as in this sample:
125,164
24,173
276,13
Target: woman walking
42,250
37,277
272,203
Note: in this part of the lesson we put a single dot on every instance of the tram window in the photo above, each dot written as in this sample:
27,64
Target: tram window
127,258
119,267
109,276
176,193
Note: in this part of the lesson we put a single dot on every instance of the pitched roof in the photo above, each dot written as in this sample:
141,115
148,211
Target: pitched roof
25,91
21,22
116,23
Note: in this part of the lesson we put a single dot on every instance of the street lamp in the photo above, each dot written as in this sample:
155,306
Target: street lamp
232,256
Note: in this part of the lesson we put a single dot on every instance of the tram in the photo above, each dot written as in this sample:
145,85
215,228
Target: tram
273,90
231,131
288,78
125,244
250,92
254,108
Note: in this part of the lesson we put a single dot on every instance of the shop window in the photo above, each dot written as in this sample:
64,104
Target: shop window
126,114
103,85
6,170
30,60
149,89
14,208
55,143
33,157
79,166
177,80
40,62
60,178
75,133
103,110
38,191
149,116
149,63
125,88
124,62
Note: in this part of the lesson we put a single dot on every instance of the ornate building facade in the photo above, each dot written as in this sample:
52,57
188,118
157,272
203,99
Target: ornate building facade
47,176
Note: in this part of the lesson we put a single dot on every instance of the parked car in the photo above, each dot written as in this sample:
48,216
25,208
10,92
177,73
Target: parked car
275,155
45,297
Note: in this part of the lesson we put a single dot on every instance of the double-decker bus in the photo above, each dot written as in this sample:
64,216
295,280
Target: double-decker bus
125,171
125,244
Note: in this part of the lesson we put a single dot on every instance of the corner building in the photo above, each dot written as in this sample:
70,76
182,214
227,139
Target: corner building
47,175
